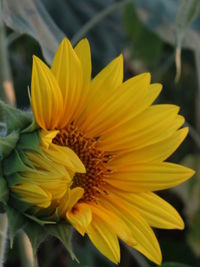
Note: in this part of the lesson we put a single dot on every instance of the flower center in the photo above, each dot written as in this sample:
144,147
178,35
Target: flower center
95,161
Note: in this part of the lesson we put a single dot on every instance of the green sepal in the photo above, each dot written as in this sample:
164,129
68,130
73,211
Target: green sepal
29,141
15,119
54,217
7,144
31,128
62,231
36,234
14,178
13,164
14,201
4,193
39,221
25,159
16,221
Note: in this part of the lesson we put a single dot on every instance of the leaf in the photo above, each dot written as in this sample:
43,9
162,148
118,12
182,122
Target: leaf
63,232
16,221
30,17
187,12
7,144
140,36
159,16
174,264
36,234
15,119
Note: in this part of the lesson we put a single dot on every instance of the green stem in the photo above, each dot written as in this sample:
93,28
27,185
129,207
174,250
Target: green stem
25,251
6,85
97,18
197,104
3,234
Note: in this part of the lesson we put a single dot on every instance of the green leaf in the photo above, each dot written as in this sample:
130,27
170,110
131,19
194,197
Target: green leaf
3,190
174,264
7,144
24,18
13,164
15,119
159,16
63,232
29,141
16,221
187,12
36,234
140,36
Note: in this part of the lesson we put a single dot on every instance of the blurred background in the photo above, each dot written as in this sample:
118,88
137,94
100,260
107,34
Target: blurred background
158,36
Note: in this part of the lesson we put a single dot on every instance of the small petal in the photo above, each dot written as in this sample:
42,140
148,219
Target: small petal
47,102
104,239
67,69
80,216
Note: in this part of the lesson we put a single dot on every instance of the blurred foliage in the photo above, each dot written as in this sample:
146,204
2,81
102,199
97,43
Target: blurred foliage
147,32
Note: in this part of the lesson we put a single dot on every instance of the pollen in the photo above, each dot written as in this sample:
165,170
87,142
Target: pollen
95,161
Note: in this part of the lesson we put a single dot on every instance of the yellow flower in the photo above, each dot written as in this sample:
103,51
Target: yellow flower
122,140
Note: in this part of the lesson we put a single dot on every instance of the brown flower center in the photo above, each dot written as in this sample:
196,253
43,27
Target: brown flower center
95,161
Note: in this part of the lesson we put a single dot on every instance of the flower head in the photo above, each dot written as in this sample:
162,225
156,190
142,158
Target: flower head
103,154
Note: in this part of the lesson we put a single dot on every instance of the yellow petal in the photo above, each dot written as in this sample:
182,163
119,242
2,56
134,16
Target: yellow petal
119,227
155,124
104,239
47,102
67,157
47,137
120,110
33,194
80,216
157,152
67,69
46,166
71,197
156,211
82,50
111,76
102,88
152,177
147,243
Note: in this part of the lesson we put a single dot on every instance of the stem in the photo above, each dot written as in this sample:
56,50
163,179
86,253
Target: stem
96,19
3,234
7,92
25,251
197,103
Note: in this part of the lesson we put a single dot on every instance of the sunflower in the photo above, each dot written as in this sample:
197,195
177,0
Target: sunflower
121,139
